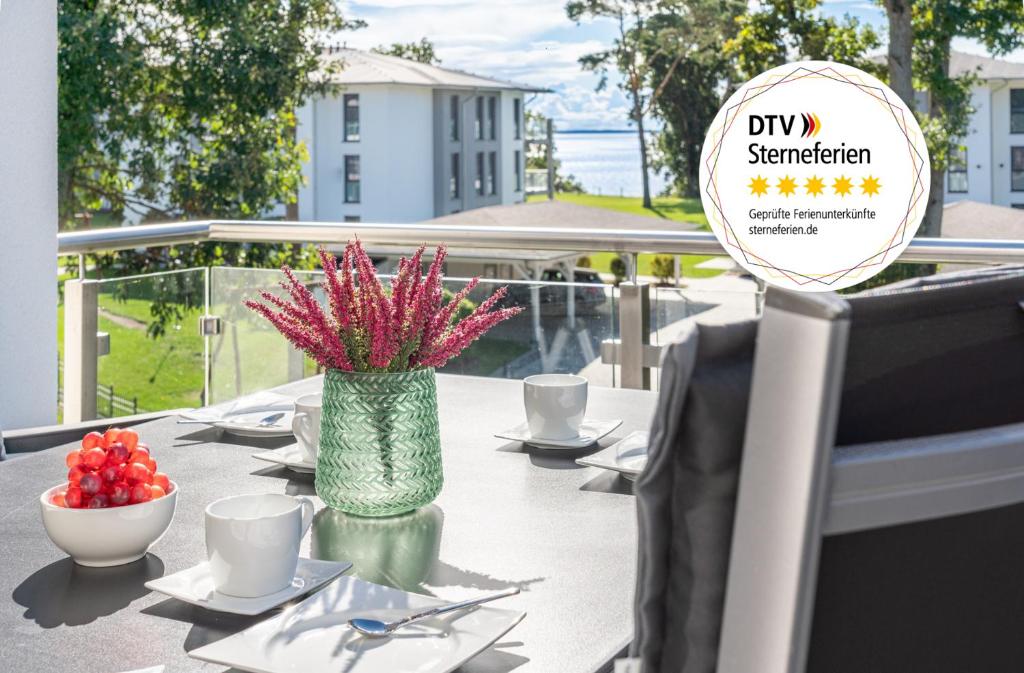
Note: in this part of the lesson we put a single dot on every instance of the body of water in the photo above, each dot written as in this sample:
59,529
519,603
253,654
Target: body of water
605,163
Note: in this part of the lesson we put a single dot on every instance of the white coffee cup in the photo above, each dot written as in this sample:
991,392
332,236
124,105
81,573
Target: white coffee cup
306,424
252,542
555,404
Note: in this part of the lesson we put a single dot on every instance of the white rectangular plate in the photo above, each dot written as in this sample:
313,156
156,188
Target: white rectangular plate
315,636
627,456
195,585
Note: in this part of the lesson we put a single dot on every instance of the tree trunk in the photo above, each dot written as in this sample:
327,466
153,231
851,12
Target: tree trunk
932,223
901,42
643,158
692,170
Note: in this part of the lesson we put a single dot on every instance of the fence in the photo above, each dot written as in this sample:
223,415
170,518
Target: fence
108,403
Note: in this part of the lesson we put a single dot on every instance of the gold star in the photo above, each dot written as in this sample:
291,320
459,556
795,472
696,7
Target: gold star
758,186
814,185
842,185
870,186
787,186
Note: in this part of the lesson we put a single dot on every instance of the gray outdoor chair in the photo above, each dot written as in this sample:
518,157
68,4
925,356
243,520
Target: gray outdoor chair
839,486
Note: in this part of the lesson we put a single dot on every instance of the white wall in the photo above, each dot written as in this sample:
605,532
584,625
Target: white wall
1002,140
979,151
28,213
509,145
396,150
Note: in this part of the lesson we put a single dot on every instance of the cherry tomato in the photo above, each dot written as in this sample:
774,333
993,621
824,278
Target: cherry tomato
129,438
90,483
110,436
58,499
160,479
73,497
112,473
75,474
137,472
141,493
99,501
120,492
94,458
157,492
91,440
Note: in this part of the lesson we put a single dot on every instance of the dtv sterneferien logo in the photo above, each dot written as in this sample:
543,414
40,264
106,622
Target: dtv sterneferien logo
766,123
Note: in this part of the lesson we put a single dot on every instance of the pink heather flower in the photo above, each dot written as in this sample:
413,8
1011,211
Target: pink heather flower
370,328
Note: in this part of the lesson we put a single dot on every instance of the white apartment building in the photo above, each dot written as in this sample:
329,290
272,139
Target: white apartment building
989,165
403,141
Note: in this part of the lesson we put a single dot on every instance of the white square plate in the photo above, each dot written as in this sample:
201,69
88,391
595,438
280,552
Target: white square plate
290,456
590,432
195,586
627,456
315,636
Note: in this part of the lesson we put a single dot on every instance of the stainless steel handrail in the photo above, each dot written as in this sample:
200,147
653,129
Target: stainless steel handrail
546,238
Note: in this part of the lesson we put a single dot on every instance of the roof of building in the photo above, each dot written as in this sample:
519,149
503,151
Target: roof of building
970,219
560,214
364,67
984,67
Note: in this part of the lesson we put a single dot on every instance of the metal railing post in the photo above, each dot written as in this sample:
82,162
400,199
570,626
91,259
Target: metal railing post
634,334
80,349
549,151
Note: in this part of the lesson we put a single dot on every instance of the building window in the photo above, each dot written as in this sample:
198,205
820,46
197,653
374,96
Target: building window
519,176
478,184
492,118
353,218
1017,169
453,177
492,172
351,105
956,173
517,117
478,125
453,118
1016,110
351,178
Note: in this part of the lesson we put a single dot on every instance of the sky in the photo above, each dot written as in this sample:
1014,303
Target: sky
534,42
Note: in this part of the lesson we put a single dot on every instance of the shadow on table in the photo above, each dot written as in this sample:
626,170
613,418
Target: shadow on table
65,593
207,434
555,459
208,626
400,552
299,483
609,482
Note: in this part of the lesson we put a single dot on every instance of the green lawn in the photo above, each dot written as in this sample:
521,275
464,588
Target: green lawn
664,207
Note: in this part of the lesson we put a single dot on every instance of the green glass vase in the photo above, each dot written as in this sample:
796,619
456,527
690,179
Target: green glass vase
380,448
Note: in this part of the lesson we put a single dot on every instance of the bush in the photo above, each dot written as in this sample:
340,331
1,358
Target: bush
664,269
618,268
584,262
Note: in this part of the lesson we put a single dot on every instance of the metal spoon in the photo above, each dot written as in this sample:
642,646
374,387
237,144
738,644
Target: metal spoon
375,628
268,422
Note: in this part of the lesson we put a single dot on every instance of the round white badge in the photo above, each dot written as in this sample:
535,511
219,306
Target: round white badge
814,176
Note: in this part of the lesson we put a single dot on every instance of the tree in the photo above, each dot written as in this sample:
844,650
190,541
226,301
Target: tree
627,56
782,31
185,109
901,41
696,84
536,156
422,51
997,24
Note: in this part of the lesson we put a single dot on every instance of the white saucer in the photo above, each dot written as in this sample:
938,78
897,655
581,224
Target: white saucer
290,456
315,636
195,586
590,432
627,456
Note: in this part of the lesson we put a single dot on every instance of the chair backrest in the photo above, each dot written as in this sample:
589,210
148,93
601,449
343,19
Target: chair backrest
919,508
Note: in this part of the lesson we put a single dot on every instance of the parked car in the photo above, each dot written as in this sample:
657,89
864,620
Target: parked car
589,294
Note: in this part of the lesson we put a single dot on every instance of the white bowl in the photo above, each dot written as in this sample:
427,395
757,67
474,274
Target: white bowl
109,536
